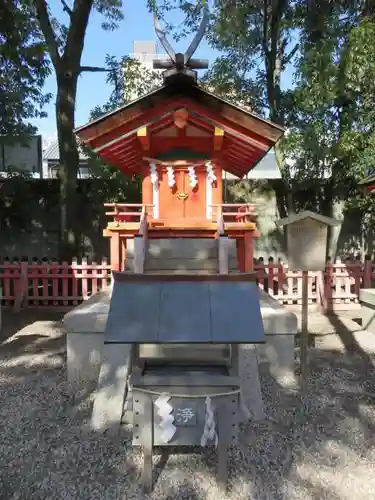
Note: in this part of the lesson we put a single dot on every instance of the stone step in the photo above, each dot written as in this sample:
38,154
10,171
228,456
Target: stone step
184,248
178,271
180,255
183,264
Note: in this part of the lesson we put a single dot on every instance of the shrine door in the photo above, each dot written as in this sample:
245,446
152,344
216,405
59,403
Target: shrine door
182,201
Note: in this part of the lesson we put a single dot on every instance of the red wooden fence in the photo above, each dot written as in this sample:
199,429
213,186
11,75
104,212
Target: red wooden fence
52,284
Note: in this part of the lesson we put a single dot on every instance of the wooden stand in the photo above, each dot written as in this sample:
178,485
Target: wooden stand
304,343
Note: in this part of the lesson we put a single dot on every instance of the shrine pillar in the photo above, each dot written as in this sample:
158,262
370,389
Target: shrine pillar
245,253
115,251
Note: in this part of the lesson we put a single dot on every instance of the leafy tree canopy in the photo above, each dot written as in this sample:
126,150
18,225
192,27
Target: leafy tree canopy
23,70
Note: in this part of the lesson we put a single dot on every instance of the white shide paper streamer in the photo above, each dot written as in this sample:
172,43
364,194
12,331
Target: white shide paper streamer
171,179
209,432
164,410
192,177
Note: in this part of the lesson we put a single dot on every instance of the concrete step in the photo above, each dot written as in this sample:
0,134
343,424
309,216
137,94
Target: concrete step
178,271
181,255
190,248
153,264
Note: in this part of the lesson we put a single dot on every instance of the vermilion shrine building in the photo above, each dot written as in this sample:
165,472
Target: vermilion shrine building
179,139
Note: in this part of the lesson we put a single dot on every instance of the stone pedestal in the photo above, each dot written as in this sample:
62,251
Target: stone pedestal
85,327
367,300
280,328
86,323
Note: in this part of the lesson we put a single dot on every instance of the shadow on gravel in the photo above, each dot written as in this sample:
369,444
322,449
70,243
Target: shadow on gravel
321,448
14,322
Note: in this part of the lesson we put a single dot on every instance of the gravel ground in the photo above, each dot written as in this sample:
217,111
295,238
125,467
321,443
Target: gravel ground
322,449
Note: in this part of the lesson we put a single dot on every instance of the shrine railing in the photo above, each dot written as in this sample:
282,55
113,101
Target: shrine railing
127,212
54,284
234,212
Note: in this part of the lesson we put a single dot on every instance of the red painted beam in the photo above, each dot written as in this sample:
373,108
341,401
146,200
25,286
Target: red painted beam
231,166
121,146
142,119
240,147
152,115
233,128
240,153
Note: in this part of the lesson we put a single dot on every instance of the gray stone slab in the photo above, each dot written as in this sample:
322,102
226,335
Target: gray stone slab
277,320
134,313
91,315
185,313
367,295
367,299
174,312
235,313
250,383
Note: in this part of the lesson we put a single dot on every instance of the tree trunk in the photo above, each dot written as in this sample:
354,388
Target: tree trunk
69,162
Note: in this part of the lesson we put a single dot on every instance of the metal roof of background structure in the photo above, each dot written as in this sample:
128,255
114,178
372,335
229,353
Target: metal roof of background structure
266,168
52,153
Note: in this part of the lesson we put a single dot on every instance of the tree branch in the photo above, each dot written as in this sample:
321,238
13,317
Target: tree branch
77,29
291,54
46,27
66,8
93,69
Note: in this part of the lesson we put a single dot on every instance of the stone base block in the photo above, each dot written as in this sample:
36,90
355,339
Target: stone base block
84,355
278,354
367,299
85,338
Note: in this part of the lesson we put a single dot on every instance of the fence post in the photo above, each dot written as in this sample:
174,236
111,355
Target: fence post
328,288
20,291
367,274
280,279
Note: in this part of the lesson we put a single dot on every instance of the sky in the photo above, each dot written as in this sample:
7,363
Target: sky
92,87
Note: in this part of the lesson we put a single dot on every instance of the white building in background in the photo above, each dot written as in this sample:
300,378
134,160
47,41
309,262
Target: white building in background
146,52
51,163
25,156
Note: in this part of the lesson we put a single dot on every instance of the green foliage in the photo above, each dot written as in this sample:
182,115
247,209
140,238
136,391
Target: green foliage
17,194
332,118
129,80
23,69
329,112
111,184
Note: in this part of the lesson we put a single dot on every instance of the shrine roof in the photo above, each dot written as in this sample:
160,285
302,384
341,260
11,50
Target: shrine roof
368,181
184,309
214,128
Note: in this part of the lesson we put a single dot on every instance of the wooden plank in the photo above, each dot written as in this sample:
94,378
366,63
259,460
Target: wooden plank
189,379
134,313
147,441
224,431
185,313
167,278
235,313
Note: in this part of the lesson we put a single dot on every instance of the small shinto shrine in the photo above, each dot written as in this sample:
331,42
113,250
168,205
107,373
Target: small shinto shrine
179,139
170,353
